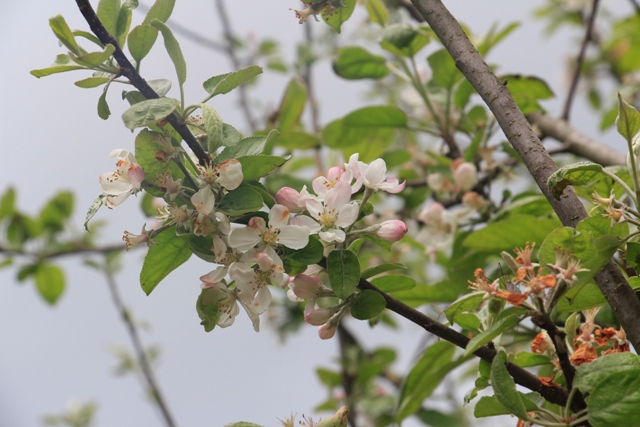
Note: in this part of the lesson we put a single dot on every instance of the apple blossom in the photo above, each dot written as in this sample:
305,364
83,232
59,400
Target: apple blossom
133,240
321,185
169,186
465,175
304,287
227,174
227,299
124,181
328,330
392,230
374,177
293,200
278,232
318,316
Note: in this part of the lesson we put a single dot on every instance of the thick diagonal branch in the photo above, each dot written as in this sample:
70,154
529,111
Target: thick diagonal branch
128,70
569,209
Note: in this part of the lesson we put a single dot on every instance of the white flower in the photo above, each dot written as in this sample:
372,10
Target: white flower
228,174
373,175
124,181
227,300
278,232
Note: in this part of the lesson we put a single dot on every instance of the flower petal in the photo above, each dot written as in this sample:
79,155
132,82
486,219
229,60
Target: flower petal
294,236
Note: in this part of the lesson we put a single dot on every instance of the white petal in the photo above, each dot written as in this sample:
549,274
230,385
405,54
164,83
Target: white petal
375,172
339,195
315,208
333,235
319,186
305,221
278,216
214,276
244,238
294,236
230,174
262,300
347,215
204,201
245,278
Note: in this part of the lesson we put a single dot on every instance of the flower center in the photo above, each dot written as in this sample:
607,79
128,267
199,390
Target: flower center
328,218
270,236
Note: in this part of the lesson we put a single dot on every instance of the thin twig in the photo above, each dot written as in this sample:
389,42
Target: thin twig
230,48
579,60
129,71
568,207
78,250
188,33
143,361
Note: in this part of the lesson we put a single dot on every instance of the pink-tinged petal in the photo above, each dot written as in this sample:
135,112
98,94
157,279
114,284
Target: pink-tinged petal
230,174
278,217
261,301
219,248
245,278
338,196
333,235
258,224
244,238
290,198
320,186
281,278
347,215
214,276
294,236
136,176
391,185
327,331
204,201
264,261
352,166
315,208
375,172
392,230
305,221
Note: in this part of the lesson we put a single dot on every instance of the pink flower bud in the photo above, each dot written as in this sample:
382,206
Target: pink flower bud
392,230
306,287
432,214
318,317
290,198
327,331
465,176
136,176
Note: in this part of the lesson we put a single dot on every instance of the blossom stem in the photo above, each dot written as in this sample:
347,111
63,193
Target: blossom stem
623,184
579,421
567,408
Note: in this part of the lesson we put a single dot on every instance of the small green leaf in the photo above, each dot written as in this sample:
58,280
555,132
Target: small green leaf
250,146
91,82
94,59
148,112
628,120
240,201
505,388
310,254
445,72
49,282
404,39
230,135
292,105
382,268
57,211
207,308
633,255
140,40
170,252
367,305
8,203
525,359
145,151
511,232
465,303
213,126
378,12
336,17
64,34
343,268
294,140
354,62
103,108
505,321
580,174
225,83
93,209
173,49
124,21
394,283
490,406
161,10
63,63
255,167
107,12
588,295
266,196
526,91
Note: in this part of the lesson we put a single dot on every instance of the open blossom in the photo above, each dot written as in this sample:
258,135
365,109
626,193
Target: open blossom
124,181
228,174
330,216
321,185
373,176
133,240
277,232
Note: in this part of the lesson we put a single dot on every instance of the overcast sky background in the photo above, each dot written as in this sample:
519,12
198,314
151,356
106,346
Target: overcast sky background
52,139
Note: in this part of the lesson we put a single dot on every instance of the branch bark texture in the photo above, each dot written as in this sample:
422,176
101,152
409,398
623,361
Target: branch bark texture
569,209
128,70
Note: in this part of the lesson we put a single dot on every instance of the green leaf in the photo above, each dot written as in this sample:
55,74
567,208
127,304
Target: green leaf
490,406
49,282
588,295
148,112
336,17
240,201
250,146
354,62
394,283
213,126
64,34
600,226
63,63
173,49
628,120
266,196
107,12
367,305
465,303
590,375
140,40
57,211
526,91
404,39
506,320
170,252
230,135
103,108
343,268
633,255
93,209
512,232
378,12
8,203
124,21
145,153
493,37
255,167
310,254
614,402
525,359
294,140
382,268
580,174
445,72
161,10
94,59
225,83
505,388
292,105
91,82
207,308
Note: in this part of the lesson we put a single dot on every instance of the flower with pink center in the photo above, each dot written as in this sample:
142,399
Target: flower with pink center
392,230
124,181
277,232
321,185
330,216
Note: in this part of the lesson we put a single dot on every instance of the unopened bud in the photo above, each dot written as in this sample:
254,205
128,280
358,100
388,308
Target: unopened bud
136,176
327,331
432,214
306,287
465,176
290,198
392,230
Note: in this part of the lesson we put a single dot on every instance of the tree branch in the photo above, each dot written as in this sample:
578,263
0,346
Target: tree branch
346,341
128,70
231,52
569,209
579,60
77,250
575,141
